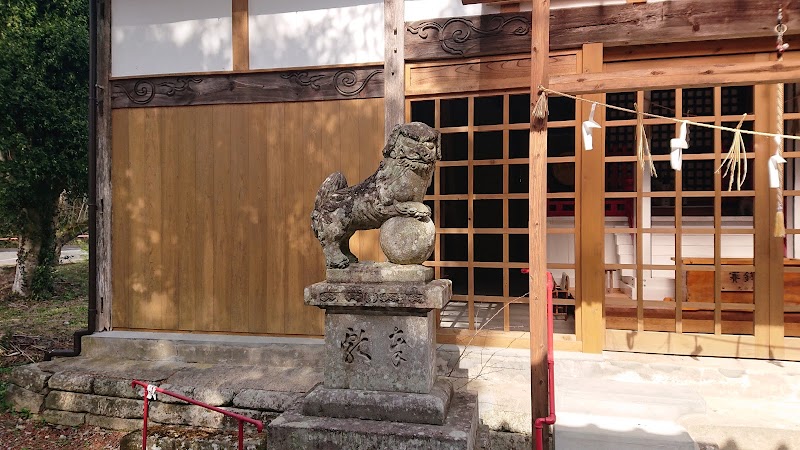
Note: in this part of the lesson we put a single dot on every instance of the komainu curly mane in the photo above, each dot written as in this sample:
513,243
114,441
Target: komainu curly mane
396,189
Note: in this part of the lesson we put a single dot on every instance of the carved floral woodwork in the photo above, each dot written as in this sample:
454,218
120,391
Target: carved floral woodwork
252,87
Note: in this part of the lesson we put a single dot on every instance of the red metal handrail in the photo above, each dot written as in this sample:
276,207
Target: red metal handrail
149,389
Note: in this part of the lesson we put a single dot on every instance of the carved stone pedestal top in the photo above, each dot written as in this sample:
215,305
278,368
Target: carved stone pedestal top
425,296
380,272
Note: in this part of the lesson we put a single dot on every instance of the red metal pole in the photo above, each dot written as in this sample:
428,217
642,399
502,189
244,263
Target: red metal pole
550,419
241,435
144,427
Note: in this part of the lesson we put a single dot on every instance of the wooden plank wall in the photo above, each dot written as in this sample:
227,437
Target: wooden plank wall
211,222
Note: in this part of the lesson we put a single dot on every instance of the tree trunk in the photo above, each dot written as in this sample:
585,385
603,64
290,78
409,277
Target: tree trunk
27,262
36,254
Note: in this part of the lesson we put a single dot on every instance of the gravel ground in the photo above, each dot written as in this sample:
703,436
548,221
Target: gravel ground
20,433
29,328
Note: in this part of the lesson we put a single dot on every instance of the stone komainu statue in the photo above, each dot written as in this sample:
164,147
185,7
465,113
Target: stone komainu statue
396,189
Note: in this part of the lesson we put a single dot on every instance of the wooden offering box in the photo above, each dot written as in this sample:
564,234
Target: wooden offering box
738,286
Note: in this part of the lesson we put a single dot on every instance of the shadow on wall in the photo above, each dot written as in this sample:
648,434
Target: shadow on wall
301,33
180,36
155,36
212,210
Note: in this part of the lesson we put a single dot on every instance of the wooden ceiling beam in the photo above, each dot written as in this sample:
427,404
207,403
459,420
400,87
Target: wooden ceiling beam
485,2
670,21
671,77
619,25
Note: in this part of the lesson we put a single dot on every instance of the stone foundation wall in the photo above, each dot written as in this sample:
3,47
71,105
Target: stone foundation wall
74,399
256,376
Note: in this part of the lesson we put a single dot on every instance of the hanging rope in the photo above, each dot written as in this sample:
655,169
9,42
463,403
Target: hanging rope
780,47
642,145
735,162
671,119
780,228
540,109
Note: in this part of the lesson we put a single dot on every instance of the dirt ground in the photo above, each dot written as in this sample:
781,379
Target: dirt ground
27,330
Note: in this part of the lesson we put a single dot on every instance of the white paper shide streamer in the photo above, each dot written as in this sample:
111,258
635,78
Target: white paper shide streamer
774,176
677,146
587,128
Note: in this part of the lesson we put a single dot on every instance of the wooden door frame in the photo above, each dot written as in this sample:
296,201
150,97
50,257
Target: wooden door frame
768,339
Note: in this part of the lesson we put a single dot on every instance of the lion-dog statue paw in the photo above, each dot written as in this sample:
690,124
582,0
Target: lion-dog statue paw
396,189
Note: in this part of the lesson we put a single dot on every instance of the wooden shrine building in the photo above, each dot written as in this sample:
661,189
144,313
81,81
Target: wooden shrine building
219,119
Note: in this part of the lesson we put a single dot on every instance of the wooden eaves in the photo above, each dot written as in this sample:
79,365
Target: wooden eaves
669,21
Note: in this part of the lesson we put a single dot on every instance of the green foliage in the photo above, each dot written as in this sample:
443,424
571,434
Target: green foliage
43,116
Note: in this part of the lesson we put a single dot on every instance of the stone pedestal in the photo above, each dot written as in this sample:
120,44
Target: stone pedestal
380,381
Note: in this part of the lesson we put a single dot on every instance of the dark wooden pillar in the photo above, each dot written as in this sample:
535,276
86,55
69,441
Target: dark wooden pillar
537,225
393,66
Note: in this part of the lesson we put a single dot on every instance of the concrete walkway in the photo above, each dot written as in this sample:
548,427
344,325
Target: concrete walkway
610,401
8,256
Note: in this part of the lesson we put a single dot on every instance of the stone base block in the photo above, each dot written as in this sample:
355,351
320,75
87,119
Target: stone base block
377,405
114,423
124,408
24,400
67,418
293,430
380,352
30,377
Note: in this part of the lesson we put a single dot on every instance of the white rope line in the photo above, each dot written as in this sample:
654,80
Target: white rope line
672,119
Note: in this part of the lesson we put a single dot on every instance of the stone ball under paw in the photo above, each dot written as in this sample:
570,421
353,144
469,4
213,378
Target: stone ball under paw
405,240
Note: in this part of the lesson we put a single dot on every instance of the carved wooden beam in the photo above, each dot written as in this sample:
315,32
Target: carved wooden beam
254,87
615,25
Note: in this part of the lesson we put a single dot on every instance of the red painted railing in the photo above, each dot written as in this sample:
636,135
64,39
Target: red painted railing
150,390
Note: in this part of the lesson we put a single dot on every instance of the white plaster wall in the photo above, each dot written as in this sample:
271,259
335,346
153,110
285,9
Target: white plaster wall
176,36
170,36
301,33
432,9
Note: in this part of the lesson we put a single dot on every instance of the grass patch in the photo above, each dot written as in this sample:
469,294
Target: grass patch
28,328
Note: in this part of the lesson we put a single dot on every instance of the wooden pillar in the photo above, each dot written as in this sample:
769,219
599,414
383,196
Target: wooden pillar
103,174
241,34
592,283
393,66
537,219
768,265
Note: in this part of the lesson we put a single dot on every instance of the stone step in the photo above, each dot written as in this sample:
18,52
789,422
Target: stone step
74,391
204,348
580,432
605,398
748,378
